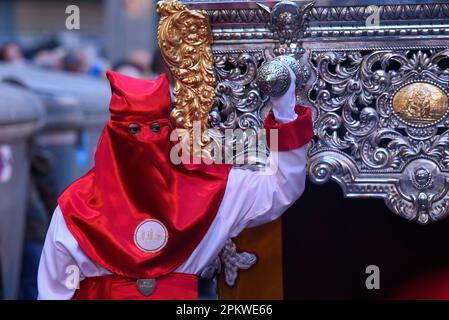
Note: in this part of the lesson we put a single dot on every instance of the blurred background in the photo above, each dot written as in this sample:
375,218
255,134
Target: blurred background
53,108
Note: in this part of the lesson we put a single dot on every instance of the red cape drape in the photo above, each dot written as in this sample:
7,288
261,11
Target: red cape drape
133,180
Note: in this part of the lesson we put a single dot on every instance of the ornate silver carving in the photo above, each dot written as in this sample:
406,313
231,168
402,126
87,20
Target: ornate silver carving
234,261
365,145
239,103
273,79
361,142
430,11
329,19
391,12
288,22
295,66
229,263
225,16
422,178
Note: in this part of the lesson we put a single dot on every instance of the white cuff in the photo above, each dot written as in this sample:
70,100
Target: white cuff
285,116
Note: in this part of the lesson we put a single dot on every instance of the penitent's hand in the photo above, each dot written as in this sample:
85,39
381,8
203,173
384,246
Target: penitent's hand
284,106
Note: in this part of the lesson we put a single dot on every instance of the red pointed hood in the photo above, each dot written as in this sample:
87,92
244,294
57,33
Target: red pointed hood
135,97
136,213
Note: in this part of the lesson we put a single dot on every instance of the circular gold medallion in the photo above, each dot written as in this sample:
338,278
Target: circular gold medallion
420,104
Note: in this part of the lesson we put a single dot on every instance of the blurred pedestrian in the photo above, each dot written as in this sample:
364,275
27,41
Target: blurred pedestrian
11,52
143,59
76,61
49,59
129,69
158,66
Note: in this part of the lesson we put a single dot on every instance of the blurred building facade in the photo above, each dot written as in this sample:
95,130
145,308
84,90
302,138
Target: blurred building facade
117,26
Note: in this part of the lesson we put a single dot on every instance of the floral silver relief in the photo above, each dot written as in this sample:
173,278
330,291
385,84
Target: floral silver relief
378,95
381,127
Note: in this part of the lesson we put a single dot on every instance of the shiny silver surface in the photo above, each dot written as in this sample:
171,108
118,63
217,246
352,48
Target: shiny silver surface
273,79
353,70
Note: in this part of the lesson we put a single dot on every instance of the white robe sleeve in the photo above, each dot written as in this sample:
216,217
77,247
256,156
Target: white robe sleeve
258,198
252,198
261,198
63,264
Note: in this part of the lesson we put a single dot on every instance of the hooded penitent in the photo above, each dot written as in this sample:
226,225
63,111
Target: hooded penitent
136,213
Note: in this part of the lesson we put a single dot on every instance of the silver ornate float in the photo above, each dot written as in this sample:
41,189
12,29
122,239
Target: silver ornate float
376,77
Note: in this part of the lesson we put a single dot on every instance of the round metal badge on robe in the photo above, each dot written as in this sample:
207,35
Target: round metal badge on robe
151,236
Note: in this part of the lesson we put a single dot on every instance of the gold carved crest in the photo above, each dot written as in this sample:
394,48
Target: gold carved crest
185,39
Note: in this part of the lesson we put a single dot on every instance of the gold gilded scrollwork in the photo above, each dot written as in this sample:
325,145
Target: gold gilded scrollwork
185,40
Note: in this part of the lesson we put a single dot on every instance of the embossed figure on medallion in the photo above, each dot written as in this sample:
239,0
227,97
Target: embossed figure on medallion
381,118
422,178
420,103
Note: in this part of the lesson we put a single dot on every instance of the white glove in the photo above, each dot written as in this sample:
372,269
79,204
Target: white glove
284,106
